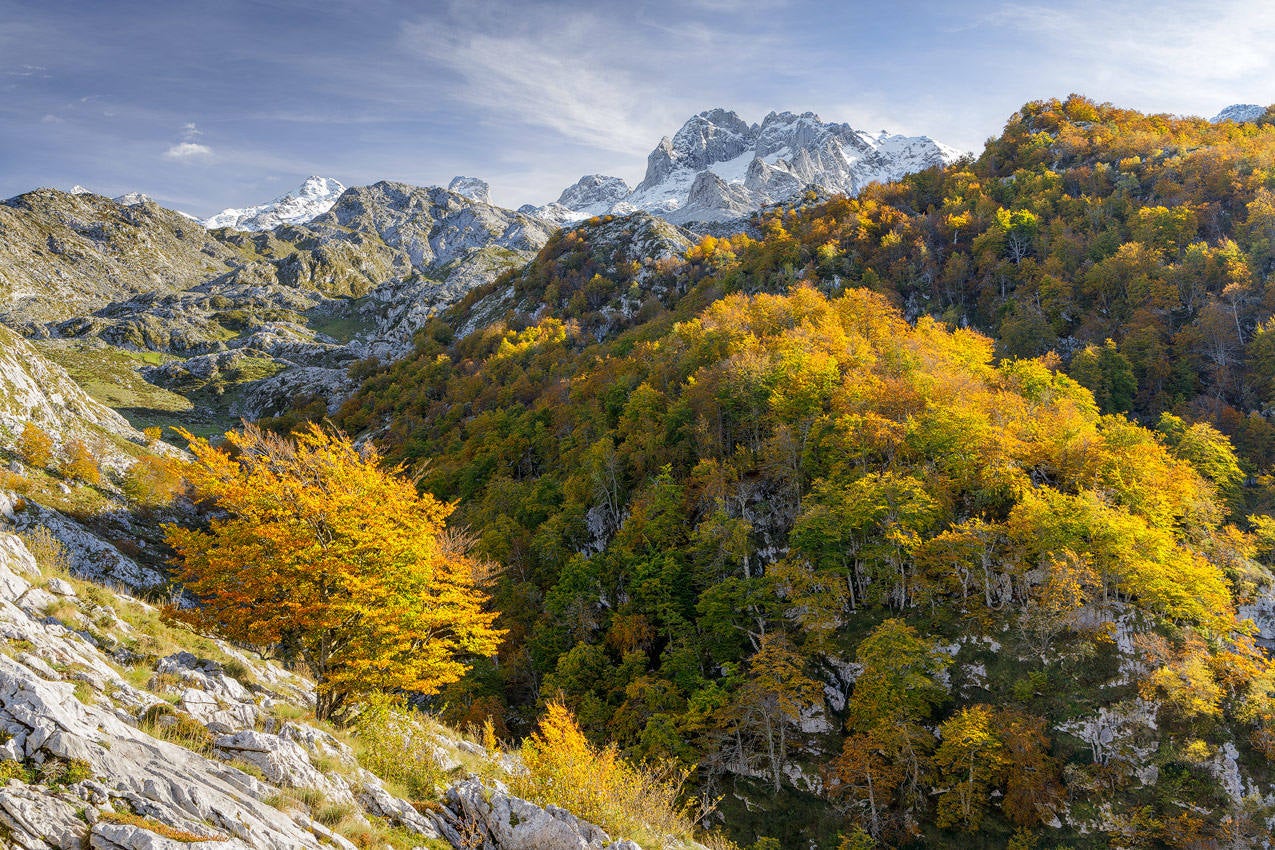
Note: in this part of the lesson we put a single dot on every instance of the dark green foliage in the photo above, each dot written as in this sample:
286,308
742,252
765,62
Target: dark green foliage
702,510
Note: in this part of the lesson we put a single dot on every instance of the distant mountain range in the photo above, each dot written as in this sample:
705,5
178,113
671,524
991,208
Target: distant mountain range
718,167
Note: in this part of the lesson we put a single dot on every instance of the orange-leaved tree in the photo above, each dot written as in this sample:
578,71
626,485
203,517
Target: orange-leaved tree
319,554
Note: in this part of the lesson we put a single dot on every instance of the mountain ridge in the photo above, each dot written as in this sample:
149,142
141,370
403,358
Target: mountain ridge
717,167
312,198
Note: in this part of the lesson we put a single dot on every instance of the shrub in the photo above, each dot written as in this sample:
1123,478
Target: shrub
396,747
80,465
14,770
643,803
35,447
60,772
152,434
152,481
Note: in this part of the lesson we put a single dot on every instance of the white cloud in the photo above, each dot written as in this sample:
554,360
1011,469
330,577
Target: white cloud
188,149
189,152
613,83
1181,54
553,85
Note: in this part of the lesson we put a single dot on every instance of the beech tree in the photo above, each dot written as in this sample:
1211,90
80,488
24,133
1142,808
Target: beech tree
317,553
969,761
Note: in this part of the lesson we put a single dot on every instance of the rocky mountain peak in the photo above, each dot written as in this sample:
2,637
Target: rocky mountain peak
472,188
714,135
312,198
128,199
718,167
593,189
1239,113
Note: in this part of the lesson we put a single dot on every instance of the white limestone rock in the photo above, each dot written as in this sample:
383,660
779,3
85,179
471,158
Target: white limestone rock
36,821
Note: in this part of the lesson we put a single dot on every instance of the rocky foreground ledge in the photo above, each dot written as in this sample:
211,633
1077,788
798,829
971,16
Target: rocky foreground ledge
102,748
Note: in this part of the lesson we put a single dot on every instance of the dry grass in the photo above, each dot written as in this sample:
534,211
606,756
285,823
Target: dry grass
163,829
642,803
397,747
48,551
170,724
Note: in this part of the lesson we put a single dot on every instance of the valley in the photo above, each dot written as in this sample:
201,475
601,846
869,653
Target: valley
834,488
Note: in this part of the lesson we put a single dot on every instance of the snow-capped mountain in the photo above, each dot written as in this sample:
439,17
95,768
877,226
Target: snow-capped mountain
314,197
472,188
719,167
1239,113
595,194
128,199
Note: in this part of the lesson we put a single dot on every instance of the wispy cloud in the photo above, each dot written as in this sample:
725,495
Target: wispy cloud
188,149
616,83
38,71
1182,51
552,79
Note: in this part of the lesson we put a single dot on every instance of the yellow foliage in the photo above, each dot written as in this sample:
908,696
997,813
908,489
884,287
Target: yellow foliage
80,465
321,553
152,481
564,769
35,447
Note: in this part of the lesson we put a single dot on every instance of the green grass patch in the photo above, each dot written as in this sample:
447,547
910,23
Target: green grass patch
110,375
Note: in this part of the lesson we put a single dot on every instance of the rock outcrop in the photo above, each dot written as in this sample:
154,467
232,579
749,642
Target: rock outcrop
719,168
35,390
195,756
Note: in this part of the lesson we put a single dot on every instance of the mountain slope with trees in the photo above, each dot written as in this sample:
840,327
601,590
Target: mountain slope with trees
876,577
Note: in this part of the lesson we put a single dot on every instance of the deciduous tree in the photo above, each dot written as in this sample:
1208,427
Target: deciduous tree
316,552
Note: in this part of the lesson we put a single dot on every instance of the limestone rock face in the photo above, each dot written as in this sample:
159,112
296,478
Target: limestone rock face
719,168
505,822
101,771
32,389
36,820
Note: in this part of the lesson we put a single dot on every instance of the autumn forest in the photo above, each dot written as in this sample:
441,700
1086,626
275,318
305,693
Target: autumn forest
922,518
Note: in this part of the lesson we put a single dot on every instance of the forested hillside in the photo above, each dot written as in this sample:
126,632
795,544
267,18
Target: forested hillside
786,516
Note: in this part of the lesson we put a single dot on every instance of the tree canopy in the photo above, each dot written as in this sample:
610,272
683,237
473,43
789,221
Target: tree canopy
314,551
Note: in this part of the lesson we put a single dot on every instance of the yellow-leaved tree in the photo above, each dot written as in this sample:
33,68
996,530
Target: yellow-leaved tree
317,553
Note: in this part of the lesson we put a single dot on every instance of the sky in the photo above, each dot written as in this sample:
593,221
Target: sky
206,104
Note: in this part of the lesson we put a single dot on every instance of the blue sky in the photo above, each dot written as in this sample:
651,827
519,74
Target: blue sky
221,103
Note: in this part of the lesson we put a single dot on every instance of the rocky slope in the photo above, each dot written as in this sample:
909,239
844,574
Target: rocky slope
116,737
35,390
601,273
718,167
246,324
64,255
